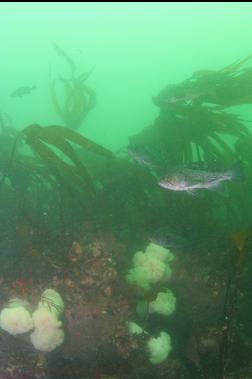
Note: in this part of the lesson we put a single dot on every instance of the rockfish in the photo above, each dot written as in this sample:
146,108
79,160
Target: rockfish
190,180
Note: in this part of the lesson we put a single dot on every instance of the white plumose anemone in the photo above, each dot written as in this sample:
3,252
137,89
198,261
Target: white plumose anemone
164,304
159,348
44,319
150,267
48,334
47,340
16,317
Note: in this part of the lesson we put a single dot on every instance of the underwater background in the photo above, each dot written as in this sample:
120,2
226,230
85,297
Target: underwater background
133,50
125,190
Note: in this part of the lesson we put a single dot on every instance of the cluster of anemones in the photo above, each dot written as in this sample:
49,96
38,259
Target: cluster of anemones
17,318
152,267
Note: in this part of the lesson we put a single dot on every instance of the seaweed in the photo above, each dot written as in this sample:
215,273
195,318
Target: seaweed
65,56
42,139
230,86
55,150
79,98
239,239
194,124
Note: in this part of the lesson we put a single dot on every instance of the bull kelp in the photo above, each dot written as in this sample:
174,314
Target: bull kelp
125,189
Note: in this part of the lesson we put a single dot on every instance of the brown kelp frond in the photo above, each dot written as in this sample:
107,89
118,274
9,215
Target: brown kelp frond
33,167
55,101
230,86
76,102
59,134
71,98
91,97
236,65
228,123
193,121
65,56
41,139
61,170
84,76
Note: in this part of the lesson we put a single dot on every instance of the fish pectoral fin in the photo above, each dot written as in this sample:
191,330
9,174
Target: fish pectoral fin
192,192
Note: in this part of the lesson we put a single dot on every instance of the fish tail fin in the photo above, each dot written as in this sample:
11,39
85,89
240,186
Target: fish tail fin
236,171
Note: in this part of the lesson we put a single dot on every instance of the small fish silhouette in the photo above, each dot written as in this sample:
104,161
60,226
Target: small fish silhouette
20,92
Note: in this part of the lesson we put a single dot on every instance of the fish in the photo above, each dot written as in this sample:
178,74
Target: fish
191,180
20,92
174,97
186,96
141,155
